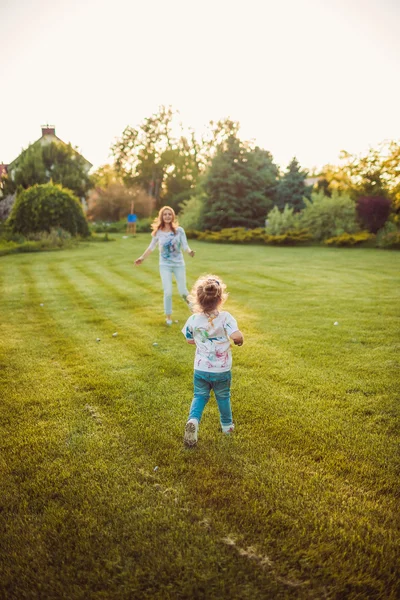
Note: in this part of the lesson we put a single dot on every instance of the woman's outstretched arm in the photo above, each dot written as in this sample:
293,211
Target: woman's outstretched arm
146,253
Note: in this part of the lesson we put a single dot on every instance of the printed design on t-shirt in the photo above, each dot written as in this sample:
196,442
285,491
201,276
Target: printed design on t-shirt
170,247
213,351
214,354
188,333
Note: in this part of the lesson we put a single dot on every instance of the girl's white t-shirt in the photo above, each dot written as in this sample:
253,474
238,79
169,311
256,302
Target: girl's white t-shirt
211,336
171,246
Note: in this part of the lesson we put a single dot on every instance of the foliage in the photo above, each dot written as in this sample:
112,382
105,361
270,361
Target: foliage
164,158
105,176
327,217
6,205
291,188
54,239
350,239
55,162
155,159
289,238
279,222
373,212
115,202
233,235
190,216
42,207
376,173
389,236
238,187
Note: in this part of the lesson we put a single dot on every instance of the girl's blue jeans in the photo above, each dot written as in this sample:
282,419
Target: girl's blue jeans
166,273
203,384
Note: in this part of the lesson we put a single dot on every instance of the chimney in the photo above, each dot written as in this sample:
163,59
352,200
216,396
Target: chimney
48,130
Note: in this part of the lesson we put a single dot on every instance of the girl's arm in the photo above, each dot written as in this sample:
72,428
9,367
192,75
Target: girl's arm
185,244
237,337
146,253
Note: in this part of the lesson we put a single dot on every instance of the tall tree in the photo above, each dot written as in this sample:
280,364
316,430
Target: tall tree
165,159
291,188
238,186
153,157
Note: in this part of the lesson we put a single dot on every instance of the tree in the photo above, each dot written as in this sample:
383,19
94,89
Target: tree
376,173
41,207
114,202
238,186
373,212
55,162
291,188
165,159
153,158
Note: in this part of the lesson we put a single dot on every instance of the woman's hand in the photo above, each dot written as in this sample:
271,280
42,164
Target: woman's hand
192,253
139,261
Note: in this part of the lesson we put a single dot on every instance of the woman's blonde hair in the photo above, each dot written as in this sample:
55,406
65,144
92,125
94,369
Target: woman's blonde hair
158,222
208,293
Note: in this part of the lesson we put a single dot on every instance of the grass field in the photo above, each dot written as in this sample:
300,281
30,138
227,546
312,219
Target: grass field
99,498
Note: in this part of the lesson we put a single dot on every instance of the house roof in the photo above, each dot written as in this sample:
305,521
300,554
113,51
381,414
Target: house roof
48,136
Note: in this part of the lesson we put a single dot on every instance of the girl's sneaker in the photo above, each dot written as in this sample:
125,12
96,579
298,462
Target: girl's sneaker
228,428
191,429
168,322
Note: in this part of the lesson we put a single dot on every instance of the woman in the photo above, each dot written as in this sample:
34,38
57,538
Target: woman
171,239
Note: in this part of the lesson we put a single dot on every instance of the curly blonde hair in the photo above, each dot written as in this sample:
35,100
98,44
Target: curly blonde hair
208,293
158,222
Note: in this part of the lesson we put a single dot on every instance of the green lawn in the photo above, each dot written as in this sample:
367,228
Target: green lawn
302,502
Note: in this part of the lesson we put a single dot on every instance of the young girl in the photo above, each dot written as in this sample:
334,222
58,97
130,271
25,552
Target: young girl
210,330
171,240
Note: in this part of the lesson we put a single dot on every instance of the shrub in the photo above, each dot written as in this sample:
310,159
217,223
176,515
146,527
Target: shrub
388,236
144,225
373,212
350,239
36,242
290,238
190,216
280,222
234,235
327,217
42,207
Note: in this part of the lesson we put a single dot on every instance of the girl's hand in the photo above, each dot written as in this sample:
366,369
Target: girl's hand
192,253
139,261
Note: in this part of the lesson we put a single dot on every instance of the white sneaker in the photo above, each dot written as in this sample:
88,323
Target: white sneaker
191,429
168,322
228,428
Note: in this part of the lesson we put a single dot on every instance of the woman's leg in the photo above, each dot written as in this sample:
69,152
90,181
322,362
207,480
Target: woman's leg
166,278
180,276
222,391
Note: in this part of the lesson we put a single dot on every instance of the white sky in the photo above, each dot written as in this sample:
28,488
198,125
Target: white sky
304,78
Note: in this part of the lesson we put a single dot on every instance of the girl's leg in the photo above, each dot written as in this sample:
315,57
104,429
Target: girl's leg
200,397
180,276
222,391
166,278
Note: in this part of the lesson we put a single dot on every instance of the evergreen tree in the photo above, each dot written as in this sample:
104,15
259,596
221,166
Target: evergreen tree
239,186
291,188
